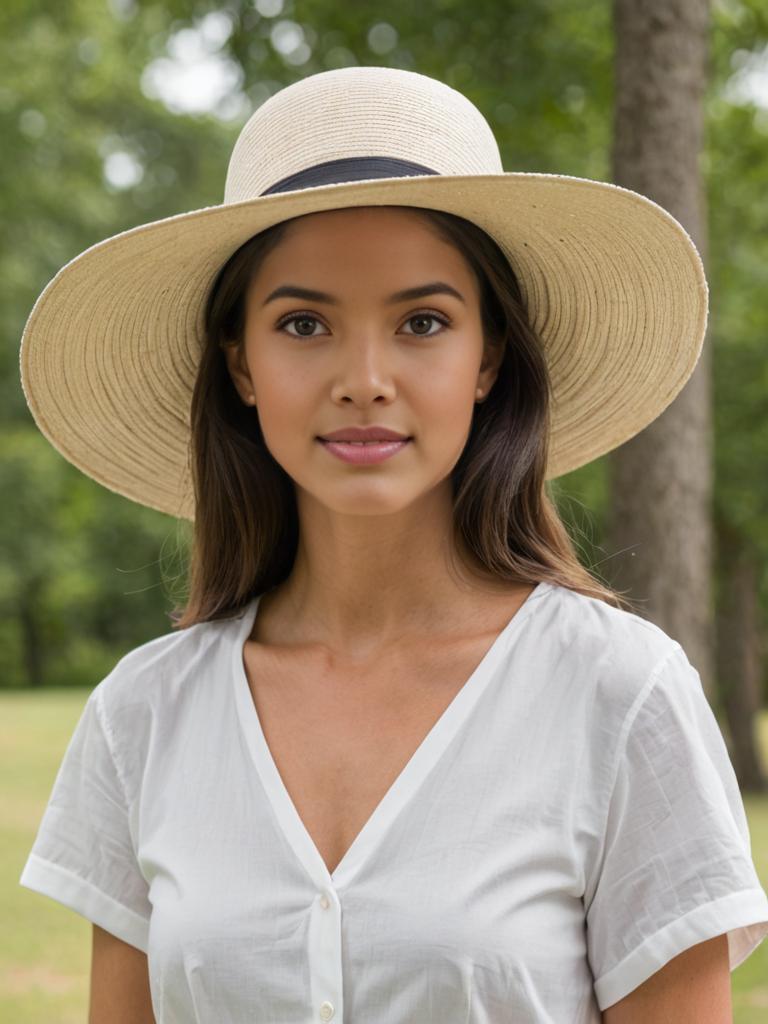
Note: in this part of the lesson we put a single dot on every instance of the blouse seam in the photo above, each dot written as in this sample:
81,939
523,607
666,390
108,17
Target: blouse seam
626,727
111,745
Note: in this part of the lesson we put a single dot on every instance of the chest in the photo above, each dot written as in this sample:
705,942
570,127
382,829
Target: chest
339,737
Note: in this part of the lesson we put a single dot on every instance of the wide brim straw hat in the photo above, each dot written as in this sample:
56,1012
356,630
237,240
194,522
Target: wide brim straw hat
614,285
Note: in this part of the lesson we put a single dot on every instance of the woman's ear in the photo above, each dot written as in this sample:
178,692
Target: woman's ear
493,355
234,354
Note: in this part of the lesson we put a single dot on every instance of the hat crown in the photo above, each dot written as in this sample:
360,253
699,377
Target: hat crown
359,112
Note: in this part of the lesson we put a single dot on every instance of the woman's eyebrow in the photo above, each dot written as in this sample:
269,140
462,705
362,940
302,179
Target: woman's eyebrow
295,291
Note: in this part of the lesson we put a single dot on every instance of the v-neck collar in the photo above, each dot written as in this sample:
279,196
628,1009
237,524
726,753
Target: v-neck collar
422,761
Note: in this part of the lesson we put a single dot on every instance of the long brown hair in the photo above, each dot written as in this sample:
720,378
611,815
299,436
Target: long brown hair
246,526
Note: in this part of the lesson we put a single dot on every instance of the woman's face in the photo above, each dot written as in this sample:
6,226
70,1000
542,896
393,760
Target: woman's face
360,357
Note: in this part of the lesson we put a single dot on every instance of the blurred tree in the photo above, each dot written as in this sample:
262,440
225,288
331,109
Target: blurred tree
661,479
69,556
737,153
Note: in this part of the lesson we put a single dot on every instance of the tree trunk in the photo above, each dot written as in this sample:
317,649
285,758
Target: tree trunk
659,529
739,654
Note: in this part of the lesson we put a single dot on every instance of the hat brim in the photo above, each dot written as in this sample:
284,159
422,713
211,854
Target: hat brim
614,286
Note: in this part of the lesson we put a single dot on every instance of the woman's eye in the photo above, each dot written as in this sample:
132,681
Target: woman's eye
299,318
427,316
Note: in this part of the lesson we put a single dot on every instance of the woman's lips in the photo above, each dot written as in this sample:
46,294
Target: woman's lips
364,453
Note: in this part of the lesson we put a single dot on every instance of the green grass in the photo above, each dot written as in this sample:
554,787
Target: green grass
45,952
45,956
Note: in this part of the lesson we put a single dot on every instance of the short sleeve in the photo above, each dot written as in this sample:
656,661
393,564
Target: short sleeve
84,855
675,866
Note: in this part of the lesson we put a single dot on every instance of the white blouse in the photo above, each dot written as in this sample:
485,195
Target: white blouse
570,823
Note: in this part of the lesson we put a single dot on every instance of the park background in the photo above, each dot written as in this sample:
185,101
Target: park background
120,112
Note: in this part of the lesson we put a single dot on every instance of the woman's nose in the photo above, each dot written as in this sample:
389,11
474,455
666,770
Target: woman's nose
365,371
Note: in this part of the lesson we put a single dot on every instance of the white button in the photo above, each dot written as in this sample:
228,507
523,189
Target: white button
326,1011
324,902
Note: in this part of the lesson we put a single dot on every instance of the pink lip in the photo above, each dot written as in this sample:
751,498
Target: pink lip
364,454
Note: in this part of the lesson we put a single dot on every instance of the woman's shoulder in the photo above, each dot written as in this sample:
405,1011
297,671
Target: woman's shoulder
595,619
609,648
162,670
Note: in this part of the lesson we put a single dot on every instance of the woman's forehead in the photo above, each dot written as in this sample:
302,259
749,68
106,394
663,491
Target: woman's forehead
390,246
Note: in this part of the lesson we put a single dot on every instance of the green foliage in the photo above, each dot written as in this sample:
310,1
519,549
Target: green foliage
83,573
734,166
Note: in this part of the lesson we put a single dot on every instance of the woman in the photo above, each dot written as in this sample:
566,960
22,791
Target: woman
403,757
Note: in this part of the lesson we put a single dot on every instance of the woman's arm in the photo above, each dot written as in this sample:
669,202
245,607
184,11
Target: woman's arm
119,982
692,988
